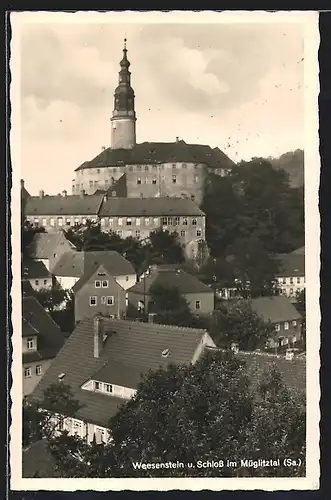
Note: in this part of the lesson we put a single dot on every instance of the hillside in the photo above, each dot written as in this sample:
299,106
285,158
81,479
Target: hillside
293,163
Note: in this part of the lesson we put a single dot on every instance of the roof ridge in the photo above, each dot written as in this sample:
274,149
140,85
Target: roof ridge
159,325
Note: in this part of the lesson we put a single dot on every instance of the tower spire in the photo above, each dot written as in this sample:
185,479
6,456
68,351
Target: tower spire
124,116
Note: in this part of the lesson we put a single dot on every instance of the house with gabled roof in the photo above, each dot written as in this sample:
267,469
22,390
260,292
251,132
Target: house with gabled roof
291,275
74,265
41,341
48,248
37,274
98,292
103,360
200,297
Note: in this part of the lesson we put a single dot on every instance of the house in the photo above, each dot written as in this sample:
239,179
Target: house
283,315
102,362
74,265
37,274
48,248
57,212
200,297
291,275
41,341
98,292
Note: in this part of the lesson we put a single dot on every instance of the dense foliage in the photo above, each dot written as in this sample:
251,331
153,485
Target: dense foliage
169,306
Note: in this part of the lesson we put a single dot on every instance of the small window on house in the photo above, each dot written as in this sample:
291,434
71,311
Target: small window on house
298,280
103,300
286,325
138,221
147,221
184,221
176,221
194,222
154,180
294,323
36,282
137,233
291,291
110,221
98,170
182,233
93,300
146,168
174,179
105,284
197,304
44,222
128,221
126,278
36,221
199,232
108,387
284,281
27,372
164,221
68,222
97,284
60,221
138,180
110,300
30,343
291,281
277,327
97,386
120,221
38,370
155,221
45,282
52,222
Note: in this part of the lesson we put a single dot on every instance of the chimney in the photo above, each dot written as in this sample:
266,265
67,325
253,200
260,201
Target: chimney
177,139
97,336
22,183
82,193
64,193
103,148
105,197
41,194
151,317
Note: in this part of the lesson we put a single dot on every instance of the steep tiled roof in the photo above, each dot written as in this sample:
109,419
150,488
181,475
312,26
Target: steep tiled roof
38,462
131,347
36,319
77,264
292,264
63,205
169,278
44,244
275,309
140,207
27,290
161,152
86,276
34,269
70,264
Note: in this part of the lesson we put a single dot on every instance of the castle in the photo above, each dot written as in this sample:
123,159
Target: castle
149,169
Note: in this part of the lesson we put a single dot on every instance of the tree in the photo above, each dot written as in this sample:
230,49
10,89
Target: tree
28,231
170,307
206,412
239,324
300,304
165,247
52,298
65,317
40,416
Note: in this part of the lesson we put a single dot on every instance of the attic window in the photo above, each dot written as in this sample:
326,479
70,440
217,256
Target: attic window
61,376
165,353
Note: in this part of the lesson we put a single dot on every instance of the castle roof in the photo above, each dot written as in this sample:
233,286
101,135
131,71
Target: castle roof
160,152
140,207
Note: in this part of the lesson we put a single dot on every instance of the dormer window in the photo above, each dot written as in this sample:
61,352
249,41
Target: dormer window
30,343
97,386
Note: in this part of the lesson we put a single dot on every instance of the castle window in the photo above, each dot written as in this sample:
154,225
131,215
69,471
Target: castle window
60,221
138,167
68,222
45,282
182,233
286,325
164,221
52,222
146,180
128,221
137,221
110,221
138,180
291,281
120,221
137,233
108,387
44,222
174,165
284,281
95,184
146,168
147,220
184,221
199,233
36,282
194,222
197,304
298,280
156,221
176,221
154,180
174,179
98,171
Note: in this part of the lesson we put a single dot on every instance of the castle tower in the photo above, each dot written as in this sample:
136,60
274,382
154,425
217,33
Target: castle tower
123,121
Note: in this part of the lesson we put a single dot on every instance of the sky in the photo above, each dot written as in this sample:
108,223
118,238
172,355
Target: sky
236,86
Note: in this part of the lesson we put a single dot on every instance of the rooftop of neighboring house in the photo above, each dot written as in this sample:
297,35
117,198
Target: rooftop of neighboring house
27,290
34,269
44,245
76,264
161,152
276,309
36,321
145,207
38,462
119,187
63,205
168,276
129,349
291,264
